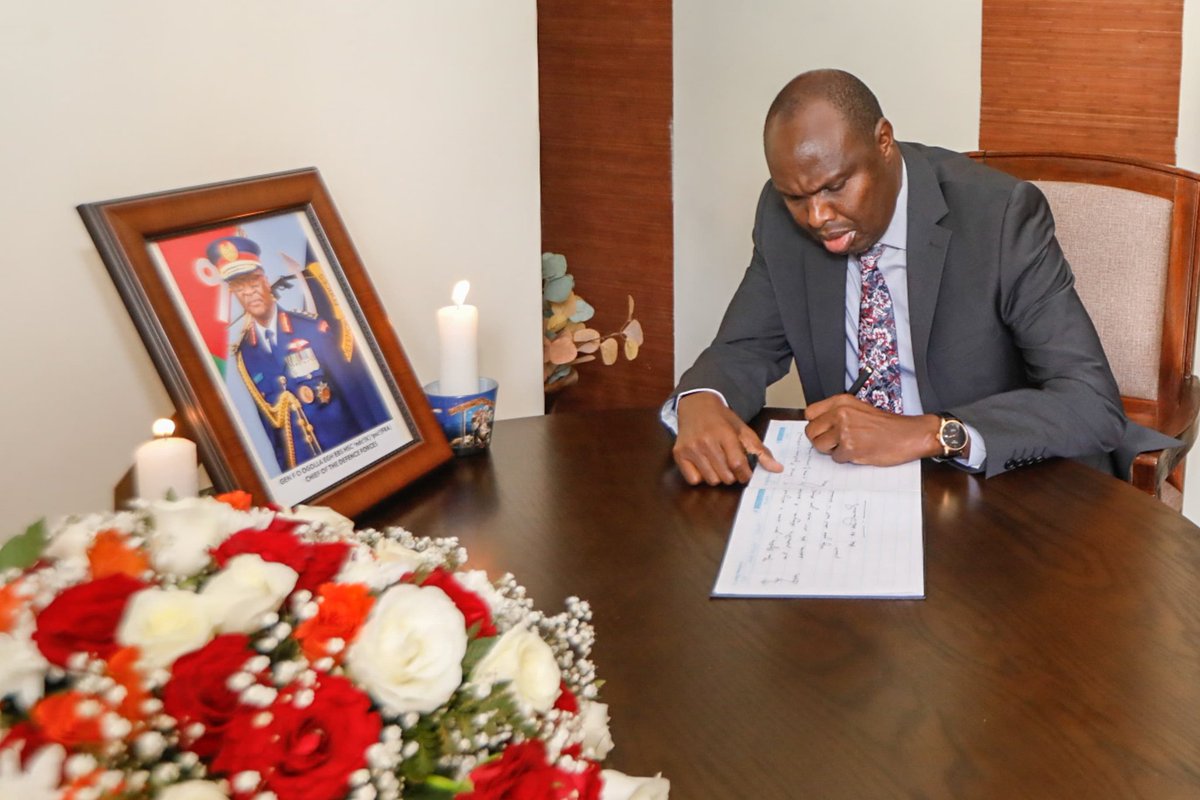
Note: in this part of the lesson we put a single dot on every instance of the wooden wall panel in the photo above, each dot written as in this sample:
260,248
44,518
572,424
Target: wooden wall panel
1085,76
605,90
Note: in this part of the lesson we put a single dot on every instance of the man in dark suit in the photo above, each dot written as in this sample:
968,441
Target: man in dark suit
311,395
994,362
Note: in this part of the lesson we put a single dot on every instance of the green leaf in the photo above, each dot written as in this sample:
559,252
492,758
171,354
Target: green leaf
558,289
476,650
424,791
24,550
421,764
554,265
443,784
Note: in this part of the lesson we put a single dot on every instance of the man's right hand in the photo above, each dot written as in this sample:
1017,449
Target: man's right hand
713,442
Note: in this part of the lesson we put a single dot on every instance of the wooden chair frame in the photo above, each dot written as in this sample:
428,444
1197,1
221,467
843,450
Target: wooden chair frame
1175,411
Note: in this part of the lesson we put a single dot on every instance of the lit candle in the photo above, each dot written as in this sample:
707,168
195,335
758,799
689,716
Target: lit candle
164,464
457,328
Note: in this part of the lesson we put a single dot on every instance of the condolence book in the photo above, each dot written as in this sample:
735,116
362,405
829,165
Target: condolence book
823,529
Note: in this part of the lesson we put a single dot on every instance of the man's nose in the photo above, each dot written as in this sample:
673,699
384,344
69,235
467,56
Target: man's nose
819,212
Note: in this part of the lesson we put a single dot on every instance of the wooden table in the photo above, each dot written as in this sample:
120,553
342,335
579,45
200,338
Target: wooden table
1056,655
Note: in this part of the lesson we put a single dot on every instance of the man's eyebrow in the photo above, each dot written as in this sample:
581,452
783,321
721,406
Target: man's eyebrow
835,179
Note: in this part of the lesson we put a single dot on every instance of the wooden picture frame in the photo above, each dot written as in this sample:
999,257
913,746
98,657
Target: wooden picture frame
333,413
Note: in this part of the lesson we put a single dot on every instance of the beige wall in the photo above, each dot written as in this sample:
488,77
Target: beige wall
421,116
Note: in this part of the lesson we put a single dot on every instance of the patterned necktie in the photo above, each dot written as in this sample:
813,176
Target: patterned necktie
877,337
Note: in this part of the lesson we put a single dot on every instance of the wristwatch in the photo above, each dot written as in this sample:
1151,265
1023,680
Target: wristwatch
952,436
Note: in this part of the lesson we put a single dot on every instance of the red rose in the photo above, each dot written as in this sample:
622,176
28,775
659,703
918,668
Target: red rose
304,753
324,563
566,699
473,607
314,563
197,692
276,543
84,618
521,773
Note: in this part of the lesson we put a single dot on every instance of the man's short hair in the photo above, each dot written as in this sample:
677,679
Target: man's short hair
846,93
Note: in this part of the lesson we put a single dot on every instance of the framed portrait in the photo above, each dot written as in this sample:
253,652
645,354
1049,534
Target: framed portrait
271,340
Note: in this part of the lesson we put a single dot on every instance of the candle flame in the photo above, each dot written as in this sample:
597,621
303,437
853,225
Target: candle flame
162,428
459,295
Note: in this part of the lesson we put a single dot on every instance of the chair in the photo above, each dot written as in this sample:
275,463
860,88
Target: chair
1131,232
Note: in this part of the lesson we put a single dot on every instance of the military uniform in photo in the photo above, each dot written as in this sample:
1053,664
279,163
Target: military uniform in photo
312,393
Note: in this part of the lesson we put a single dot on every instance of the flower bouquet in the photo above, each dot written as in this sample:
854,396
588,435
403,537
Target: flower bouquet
203,649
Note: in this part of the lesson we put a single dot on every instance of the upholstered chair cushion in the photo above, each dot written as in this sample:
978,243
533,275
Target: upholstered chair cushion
1117,242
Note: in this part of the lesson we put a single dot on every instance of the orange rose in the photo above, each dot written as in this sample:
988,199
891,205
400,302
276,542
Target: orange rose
238,499
341,610
59,718
111,554
10,606
122,668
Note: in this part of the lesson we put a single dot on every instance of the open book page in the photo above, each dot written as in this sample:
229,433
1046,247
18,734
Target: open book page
823,529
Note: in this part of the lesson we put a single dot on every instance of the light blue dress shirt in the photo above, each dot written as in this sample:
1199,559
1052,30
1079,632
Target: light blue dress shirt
893,263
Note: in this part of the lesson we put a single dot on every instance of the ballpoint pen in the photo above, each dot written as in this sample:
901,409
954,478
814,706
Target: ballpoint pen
864,375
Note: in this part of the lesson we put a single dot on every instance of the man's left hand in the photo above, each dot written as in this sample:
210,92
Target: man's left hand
852,431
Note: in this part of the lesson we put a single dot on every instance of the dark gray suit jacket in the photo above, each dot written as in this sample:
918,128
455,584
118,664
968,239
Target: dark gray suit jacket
1000,337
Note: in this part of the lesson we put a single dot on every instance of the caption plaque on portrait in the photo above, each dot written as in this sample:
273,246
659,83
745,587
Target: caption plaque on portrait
270,339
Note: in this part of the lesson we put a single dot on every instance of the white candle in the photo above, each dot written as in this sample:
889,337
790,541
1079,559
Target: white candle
457,330
164,464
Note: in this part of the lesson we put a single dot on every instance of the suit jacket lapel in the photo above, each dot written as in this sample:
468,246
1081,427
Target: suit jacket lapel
825,283
927,242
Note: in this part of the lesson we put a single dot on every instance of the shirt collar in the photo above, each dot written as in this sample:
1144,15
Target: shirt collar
896,234
273,327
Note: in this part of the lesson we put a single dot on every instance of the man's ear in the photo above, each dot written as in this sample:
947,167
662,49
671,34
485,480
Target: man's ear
885,138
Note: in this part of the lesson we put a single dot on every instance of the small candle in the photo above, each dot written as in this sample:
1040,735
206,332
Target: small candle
164,464
457,330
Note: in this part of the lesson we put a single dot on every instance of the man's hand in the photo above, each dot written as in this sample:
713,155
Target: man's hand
850,430
713,443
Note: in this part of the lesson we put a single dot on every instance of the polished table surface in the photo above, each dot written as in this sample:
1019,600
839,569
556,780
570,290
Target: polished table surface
1056,654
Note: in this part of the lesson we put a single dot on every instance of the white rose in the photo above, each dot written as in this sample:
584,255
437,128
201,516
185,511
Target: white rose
521,657
361,566
618,786
184,530
597,739
164,624
408,655
22,669
39,780
193,790
330,519
247,588
388,551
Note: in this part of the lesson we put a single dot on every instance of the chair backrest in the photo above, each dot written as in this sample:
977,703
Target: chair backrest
1131,232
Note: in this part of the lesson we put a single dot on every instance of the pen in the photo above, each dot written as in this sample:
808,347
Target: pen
864,375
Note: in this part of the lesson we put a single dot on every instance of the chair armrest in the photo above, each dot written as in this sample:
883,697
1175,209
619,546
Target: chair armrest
1180,417
1151,469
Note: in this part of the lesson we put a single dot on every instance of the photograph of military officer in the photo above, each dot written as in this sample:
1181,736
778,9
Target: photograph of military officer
311,392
